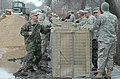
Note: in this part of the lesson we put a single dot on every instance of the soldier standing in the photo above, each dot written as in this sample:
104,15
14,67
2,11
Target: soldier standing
46,37
31,33
82,19
90,18
67,16
71,18
89,25
106,25
96,13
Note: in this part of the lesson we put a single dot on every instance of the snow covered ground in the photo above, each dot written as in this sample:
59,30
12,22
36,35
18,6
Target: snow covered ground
5,75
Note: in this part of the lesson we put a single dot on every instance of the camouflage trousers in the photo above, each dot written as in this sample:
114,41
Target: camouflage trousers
106,51
45,48
45,45
94,53
32,59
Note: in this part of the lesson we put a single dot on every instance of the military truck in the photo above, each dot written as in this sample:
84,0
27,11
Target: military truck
19,8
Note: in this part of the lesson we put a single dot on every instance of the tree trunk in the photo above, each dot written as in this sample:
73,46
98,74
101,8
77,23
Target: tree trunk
113,8
48,2
83,4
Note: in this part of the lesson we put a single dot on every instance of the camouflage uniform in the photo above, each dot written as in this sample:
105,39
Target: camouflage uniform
32,43
71,18
90,23
95,43
106,25
82,22
46,37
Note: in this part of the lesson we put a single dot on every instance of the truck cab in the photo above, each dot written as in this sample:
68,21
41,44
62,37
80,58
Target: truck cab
18,7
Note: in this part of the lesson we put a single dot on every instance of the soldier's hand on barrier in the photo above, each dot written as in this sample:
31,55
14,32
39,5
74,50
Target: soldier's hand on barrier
29,33
74,24
84,27
66,20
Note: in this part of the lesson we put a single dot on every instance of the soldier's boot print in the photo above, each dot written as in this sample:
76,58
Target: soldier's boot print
20,72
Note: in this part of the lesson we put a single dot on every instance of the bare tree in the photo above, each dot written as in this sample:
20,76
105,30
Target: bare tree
48,2
83,4
101,1
31,6
113,7
5,4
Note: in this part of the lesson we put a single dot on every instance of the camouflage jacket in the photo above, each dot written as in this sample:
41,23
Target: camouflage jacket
107,26
33,42
72,18
82,21
90,21
47,24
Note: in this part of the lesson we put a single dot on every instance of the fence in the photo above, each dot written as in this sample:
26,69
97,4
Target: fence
71,53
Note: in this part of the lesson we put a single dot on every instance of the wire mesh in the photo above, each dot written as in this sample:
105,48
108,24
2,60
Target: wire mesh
71,53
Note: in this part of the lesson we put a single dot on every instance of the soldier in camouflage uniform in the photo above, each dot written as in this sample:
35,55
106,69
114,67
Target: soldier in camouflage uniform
90,18
31,32
46,37
96,13
89,25
82,19
106,25
71,18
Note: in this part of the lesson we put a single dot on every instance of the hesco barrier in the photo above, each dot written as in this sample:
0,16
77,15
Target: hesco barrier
71,52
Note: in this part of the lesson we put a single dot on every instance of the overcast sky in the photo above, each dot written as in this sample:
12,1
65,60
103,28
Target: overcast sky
36,2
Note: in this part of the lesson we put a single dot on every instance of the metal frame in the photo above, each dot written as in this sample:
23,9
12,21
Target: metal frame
61,54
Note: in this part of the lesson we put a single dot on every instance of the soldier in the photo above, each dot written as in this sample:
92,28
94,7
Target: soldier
71,18
82,19
55,17
90,18
41,16
31,33
46,37
89,25
96,13
106,25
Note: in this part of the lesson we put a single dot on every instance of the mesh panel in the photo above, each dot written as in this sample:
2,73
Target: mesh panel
71,53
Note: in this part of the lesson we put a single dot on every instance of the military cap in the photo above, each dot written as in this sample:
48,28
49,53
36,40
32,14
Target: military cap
71,11
33,13
95,10
105,6
49,12
88,10
80,11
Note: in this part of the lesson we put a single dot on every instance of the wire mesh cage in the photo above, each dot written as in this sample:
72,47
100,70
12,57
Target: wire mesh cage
71,53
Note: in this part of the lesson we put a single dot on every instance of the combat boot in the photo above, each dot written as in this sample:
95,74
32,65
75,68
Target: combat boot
99,75
108,75
20,72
